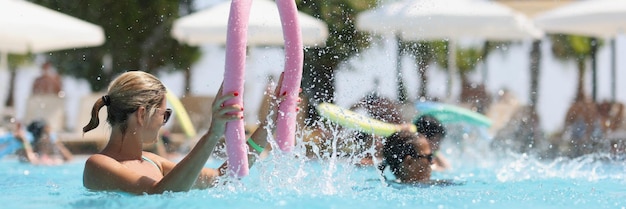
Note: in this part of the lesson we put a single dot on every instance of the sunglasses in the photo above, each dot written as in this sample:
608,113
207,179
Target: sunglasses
166,115
411,152
428,157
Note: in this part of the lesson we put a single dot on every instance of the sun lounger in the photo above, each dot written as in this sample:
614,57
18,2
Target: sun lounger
50,108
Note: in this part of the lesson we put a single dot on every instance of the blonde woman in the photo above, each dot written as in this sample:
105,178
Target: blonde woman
136,108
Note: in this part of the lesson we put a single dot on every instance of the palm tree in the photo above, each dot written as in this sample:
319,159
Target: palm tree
318,83
535,59
582,115
466,61
577,48
14,62
426,53
472,92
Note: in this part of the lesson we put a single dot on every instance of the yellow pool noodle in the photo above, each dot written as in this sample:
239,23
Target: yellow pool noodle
353,120
181,114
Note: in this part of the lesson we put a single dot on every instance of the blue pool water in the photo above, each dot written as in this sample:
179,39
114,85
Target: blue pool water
483,180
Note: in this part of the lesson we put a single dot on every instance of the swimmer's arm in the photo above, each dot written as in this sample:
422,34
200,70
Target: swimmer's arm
261,133
266,128
104,173
205,179
260,138
190,170
28,153
67,155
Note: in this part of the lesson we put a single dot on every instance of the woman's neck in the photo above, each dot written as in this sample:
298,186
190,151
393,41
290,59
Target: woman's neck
124,146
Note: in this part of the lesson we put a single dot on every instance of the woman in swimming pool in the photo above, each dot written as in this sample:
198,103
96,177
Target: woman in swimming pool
136,108
39,145
408,156
434,131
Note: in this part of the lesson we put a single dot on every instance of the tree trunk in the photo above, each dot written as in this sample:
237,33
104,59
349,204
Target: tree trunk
535,61
485,72
318,81
187,73
594,70
399,81
580,94
10,102
423,74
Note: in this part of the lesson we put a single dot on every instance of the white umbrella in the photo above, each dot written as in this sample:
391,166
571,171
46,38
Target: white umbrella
29,28
597,18
264,27
26,27
448,19
441,19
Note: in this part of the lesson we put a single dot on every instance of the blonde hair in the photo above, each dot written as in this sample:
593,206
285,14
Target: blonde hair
126,94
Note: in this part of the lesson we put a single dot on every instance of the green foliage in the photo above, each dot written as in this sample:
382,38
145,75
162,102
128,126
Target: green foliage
427,52
137,38
467,59
568,47
343,42
16,60
577,48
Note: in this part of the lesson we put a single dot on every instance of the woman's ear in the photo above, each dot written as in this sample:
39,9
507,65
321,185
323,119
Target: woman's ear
141,115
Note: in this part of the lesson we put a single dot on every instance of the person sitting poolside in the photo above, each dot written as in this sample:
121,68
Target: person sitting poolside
136,107
408,156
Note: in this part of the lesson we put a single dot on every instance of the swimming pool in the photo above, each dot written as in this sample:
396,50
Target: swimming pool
484,181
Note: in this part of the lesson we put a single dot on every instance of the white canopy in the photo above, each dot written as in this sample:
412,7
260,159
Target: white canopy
26,27
600,18
264,27
441,19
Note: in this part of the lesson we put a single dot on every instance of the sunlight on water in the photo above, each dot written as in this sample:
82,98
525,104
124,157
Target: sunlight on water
483,177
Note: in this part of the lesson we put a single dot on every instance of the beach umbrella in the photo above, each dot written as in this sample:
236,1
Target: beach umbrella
443,19
596,18
448,19
29,28
264,28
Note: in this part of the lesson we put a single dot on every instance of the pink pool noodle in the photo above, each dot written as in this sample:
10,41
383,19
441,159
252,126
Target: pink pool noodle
294,58
236,40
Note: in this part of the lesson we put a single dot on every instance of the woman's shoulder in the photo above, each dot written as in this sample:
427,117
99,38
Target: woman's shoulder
100,160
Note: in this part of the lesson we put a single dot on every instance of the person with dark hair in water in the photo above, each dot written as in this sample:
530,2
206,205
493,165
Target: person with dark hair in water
409,157
44,149
380,108
433,130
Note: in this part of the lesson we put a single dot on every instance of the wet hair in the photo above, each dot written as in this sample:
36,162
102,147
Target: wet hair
396,148
37,128
429,126
126,94
41,140
382,108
